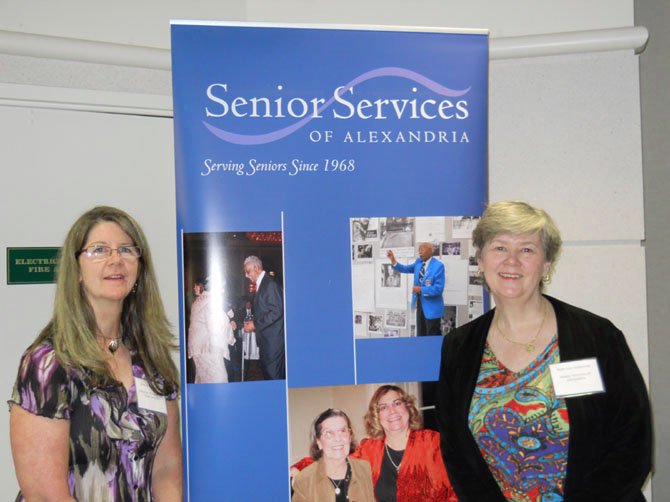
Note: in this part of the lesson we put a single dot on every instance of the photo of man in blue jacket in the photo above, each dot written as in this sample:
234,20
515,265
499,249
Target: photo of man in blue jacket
428,288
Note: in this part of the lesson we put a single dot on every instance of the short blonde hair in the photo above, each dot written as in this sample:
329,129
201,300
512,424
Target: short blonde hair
518,218
372,425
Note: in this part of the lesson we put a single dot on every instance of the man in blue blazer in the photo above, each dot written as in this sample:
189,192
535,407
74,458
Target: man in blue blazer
428,287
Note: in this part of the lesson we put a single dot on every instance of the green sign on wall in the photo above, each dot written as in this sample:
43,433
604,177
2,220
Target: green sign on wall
31,265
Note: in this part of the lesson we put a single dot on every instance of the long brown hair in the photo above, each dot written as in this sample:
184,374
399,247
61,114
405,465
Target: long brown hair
146,330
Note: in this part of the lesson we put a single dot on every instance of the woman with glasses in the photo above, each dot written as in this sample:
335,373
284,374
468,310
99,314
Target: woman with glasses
334,476
93,411
405,458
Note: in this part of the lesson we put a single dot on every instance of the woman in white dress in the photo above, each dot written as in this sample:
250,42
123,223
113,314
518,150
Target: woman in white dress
209,334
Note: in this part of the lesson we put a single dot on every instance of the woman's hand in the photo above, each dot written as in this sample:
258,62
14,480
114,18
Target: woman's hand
293,472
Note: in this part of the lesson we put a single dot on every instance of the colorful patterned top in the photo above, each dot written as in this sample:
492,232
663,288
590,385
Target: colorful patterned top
521,428
113,442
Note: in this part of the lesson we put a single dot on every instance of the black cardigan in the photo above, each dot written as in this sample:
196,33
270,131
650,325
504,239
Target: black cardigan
609,452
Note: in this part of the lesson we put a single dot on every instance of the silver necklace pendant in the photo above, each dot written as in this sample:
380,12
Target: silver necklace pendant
113,345
337,490
388,453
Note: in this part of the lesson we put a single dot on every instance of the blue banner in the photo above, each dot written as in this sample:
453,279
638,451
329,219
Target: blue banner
316,150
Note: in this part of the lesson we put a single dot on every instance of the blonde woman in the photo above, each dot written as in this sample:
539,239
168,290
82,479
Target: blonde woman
93,412
507,434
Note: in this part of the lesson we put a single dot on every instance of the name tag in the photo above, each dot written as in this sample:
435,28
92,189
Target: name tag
576,378
147,398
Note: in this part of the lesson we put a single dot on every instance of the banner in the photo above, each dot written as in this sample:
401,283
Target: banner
303,157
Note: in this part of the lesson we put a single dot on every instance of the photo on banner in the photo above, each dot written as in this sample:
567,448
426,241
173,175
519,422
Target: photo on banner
221,302
383,295
305,404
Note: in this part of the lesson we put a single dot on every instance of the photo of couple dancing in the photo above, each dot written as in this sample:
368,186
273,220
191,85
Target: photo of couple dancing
235,308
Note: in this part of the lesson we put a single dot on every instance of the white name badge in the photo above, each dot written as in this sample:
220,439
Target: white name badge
576,378
147,398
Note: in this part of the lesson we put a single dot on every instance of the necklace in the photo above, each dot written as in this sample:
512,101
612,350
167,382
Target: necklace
529,345
113,343
388,454
336,484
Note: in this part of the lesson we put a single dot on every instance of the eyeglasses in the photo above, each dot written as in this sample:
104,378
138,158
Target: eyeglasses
386,407
98,252
332,434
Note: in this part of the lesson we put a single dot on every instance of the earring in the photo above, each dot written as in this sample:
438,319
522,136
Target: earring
546,279
134,290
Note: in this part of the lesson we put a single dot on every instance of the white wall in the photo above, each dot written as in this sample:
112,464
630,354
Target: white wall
655,82
565,134
57,164
572,145
146,23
